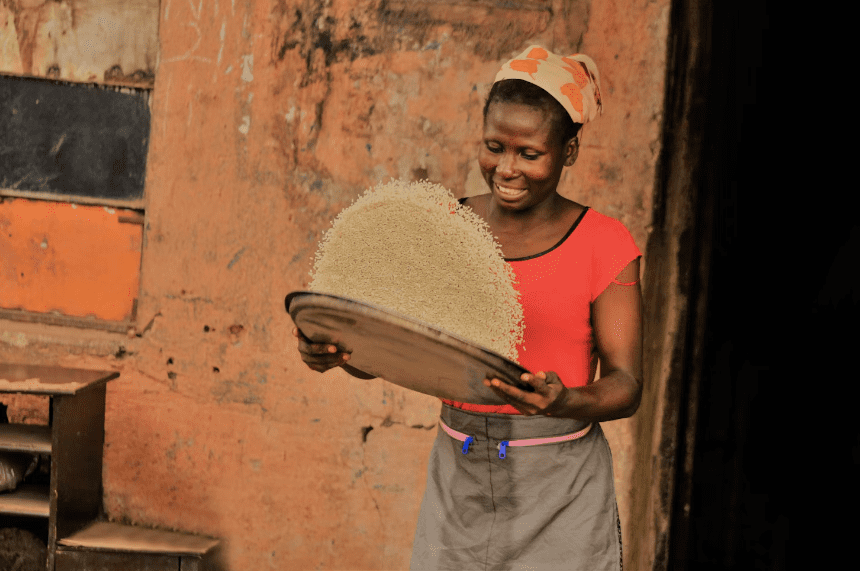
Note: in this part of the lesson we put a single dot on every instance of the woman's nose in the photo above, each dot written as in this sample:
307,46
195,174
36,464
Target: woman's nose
507,165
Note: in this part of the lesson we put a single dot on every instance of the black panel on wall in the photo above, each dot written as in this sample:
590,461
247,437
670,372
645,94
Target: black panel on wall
73,139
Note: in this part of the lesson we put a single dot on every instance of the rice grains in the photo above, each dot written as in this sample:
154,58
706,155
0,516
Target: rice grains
413,249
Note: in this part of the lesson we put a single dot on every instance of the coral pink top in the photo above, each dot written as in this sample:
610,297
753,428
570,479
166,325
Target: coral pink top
557,288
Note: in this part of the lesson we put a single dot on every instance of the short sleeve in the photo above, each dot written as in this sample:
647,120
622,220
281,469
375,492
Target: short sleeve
613,248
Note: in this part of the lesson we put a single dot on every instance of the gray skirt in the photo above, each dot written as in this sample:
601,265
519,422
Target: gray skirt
541,507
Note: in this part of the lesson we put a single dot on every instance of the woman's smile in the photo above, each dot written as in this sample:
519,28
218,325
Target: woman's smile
510,193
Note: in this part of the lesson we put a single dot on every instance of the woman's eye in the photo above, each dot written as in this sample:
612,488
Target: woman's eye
530,156
492,148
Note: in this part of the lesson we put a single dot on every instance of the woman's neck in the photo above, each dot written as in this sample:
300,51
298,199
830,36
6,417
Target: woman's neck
547,212
530,231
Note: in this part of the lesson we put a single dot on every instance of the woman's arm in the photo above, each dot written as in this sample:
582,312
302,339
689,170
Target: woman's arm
616,317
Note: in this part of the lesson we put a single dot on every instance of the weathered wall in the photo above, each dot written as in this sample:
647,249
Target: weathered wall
106,41
269,118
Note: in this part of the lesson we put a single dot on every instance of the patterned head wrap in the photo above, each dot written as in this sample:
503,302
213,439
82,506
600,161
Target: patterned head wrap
573,81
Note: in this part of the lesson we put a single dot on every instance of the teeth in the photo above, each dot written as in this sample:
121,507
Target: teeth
509,191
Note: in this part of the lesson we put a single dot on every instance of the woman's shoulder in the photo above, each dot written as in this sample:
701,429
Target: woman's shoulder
602,223
597,218
606,231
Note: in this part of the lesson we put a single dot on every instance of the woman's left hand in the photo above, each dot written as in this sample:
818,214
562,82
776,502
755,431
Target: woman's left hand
548,398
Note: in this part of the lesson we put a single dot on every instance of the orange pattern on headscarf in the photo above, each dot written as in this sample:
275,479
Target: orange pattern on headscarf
571,90
578,71
538,54
526,66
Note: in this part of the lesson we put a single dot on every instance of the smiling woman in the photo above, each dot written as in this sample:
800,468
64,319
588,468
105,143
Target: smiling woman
549,501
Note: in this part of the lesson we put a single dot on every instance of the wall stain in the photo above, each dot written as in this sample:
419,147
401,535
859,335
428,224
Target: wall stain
388,26
116,75
227,391
310,29
236,257
26,20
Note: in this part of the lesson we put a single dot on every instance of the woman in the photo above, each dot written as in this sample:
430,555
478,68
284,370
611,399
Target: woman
529,484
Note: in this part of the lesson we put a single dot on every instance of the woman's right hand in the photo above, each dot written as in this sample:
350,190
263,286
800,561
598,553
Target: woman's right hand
320,357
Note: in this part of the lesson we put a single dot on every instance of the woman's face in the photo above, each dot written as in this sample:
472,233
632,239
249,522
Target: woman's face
521,157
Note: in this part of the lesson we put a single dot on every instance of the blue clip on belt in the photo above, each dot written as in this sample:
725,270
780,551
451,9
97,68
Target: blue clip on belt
466,444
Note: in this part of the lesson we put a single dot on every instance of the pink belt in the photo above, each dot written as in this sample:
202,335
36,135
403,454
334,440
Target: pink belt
467,439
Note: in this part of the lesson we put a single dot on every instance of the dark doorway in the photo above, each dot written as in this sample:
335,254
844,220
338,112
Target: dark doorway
771,430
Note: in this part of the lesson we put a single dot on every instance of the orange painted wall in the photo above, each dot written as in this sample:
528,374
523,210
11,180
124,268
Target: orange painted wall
268,119
69,259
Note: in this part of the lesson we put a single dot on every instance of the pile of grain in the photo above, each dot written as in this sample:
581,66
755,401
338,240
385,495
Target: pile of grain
412,248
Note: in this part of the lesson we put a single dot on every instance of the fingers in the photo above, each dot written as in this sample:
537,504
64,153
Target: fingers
536,380
322,356
312,348
323,365
506,389
520,399
309,347
546,388
541,381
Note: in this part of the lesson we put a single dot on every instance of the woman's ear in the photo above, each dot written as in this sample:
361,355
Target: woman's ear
571,151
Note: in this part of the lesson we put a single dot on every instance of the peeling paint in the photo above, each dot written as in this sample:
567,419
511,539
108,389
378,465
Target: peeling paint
223,35
248,68
15,339
246,125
